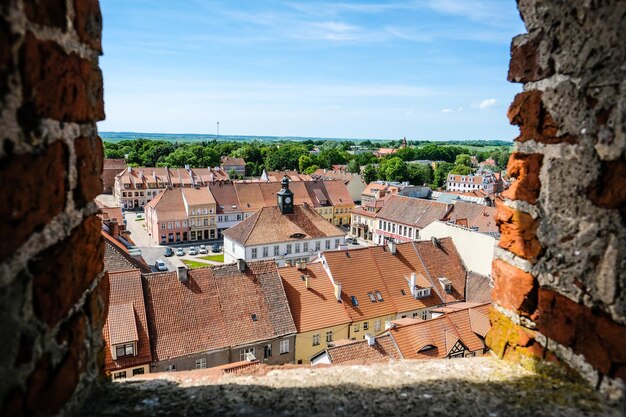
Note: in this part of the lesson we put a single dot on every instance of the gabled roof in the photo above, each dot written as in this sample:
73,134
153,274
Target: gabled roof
114,163
225,197
169,205
338,193
315,307
442,333
413,211
474,215
126,320
269,225
198,196
214,309
117,257
229,161
360,352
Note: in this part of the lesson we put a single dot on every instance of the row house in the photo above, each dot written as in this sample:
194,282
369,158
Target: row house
354,182
201,213
236,165
486,181
456,334
110,169
284,233
135,187
218,315
166,218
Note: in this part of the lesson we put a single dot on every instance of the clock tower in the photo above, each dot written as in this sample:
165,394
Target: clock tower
285,197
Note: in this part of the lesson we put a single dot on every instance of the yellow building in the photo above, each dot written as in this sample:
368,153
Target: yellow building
202,211
319,317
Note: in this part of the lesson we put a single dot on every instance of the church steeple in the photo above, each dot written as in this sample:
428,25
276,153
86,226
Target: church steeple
285,197
404,144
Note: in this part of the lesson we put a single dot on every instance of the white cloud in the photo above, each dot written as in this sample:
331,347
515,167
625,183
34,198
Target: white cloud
447,110
487,103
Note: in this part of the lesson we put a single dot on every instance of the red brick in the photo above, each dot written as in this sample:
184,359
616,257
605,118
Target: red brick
528,112
60,86
37,195
89,154
518,232
525,169
524,65
88,22
587,332
47,12
514,289
63,272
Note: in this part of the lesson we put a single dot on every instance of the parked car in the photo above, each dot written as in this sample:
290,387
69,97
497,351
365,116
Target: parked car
193,250
203,250
168,252
180,252
215,248
160,265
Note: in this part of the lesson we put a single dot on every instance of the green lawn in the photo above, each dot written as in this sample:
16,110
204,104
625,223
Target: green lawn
194,264
214,258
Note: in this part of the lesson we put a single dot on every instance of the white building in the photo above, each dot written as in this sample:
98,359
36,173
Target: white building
471,182
285,233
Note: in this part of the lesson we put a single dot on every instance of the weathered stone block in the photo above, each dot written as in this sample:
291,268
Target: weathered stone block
514,289
89,154
525,169
88,22
29,205
60,86
518,232
63,272
529,113
525,63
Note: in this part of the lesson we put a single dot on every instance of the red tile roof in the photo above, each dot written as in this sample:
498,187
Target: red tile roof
441,333
414,212
361,352
269,225
126,319
169,205
315,307
214,309
474,215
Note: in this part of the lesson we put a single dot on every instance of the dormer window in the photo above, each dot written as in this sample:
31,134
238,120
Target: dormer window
379,296
127,349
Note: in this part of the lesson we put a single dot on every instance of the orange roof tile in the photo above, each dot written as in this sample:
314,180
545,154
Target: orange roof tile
225,197
126,319
441,333
414,212
198,196
474,215
315,307
169,205
361,351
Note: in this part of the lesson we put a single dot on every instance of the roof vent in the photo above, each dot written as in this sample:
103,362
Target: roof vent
446,284
392,246
371,339
182,274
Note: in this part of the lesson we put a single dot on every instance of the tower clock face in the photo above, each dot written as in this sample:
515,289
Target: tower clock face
287,200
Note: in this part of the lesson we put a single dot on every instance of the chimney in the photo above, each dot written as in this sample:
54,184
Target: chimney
301,265
412,283
114,227
337,286
392,246
187,167
241,265
371,339
307,281
181,272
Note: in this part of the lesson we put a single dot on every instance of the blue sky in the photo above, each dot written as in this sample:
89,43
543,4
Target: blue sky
425,69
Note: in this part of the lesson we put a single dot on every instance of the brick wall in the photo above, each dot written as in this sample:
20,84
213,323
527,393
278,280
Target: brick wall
560,267
52,295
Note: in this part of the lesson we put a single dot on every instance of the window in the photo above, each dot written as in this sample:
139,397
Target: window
354,301
372,297
253,253
288,248
377,325
220,218
267,351
328,244
184,223
336,243
424,314
119,375
284,346
206,222
317,246
265,251
329,336
138,371
239,217
356,328
205,211
177,225
163,226
192,222
316,339
402,292
201,363
379,296
124,350
366,325
276,250
243,352
193,212
170,225
305,247
297,248
170,368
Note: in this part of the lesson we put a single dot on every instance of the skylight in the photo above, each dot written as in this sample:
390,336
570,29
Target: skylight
254,317
379,296
354,300
372,297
